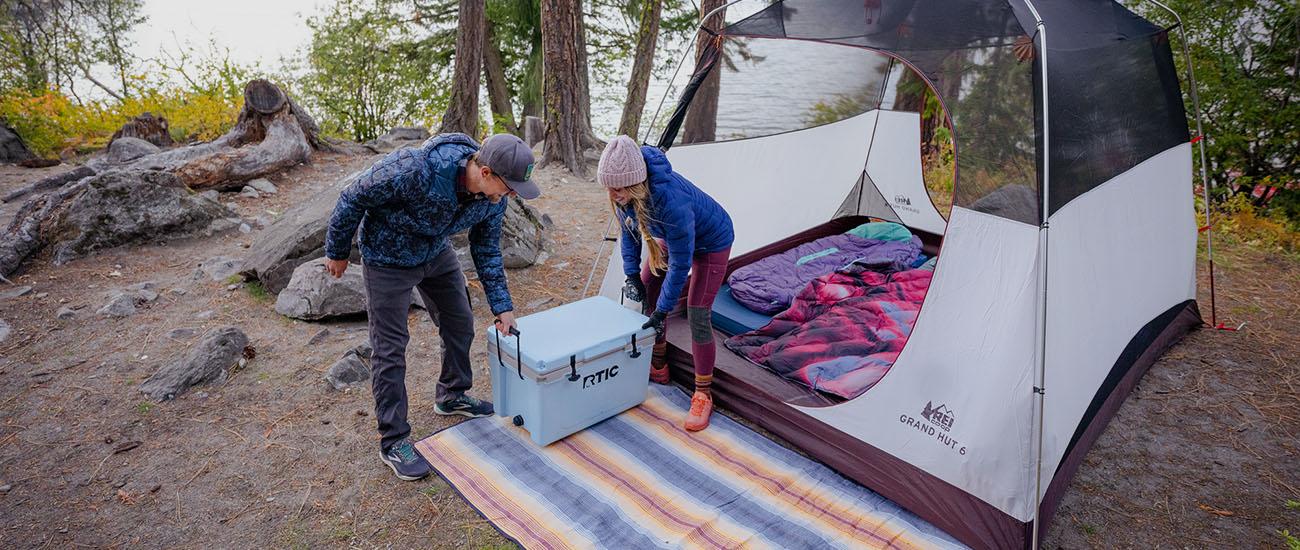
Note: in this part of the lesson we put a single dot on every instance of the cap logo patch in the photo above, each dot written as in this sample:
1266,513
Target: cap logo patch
528,172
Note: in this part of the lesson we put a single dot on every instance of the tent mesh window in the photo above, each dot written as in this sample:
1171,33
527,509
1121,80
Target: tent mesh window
1114,101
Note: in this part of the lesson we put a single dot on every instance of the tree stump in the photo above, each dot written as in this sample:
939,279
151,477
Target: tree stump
148,127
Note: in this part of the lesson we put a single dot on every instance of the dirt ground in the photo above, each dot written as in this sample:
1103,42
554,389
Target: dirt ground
1203,455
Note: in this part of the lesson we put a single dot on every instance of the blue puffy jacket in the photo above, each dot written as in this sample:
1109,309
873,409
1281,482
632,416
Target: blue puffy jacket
407,208
686,218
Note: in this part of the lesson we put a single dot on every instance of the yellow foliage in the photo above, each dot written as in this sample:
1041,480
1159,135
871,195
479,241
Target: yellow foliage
51,124
1237,217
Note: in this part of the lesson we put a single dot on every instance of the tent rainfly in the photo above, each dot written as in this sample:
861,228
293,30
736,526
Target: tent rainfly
1068,259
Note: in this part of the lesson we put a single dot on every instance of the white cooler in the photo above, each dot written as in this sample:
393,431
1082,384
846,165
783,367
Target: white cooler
581,363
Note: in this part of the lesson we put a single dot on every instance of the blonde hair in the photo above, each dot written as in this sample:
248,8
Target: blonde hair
639,198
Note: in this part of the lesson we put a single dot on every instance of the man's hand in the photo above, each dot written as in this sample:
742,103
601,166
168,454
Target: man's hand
336,267
505,321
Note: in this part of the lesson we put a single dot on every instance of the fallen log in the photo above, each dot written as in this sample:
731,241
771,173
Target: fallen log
270,135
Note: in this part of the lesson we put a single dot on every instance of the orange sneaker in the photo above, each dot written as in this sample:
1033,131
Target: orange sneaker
659,375
701,408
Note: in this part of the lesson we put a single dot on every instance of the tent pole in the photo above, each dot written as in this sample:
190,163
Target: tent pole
686,51
600,253
1040,377
1200,143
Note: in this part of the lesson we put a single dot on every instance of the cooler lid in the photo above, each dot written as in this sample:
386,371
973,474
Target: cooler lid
583,329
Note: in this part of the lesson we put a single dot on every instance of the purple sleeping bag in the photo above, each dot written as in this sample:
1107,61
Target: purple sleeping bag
770,284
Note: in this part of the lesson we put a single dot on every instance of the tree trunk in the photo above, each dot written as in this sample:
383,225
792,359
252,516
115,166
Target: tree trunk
568,132
584,73
462,112
642,65
503,114
702,115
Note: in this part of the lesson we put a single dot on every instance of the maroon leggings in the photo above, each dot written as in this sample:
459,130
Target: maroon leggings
707,272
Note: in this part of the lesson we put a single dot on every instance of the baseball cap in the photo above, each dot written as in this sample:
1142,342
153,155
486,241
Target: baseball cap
509,157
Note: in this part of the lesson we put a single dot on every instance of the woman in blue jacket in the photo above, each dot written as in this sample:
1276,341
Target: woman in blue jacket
685,231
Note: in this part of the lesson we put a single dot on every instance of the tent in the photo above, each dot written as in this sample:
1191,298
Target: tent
1067,263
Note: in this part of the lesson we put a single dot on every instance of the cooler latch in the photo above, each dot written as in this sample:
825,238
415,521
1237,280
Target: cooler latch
573,368
634,353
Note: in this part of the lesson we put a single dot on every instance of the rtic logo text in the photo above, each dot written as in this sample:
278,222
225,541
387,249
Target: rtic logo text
941,416
599,376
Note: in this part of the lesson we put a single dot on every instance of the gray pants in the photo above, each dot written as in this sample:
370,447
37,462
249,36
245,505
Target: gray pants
388,291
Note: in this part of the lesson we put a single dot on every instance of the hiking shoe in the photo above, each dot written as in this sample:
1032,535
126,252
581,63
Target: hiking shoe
659,375
701,408
407,464
465,406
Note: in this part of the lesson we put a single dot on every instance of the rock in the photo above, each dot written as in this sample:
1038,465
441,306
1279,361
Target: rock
15,292
127,207
222,225
249,193
263,185
313,294
211,194
144,292
6,488
126,149
208,361
65,313
4,330
12,148
121,304
41,295
294,238
319,337
204,315
407,133
398,137
231,205
533,305
181,333
352,368
245,228
218,268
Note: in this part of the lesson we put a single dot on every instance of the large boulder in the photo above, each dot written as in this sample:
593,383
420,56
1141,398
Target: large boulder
297,237
208,361
126,207
12,148
524,233
313,294
126,149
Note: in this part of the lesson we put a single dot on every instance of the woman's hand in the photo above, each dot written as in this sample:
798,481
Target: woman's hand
634,289
658,321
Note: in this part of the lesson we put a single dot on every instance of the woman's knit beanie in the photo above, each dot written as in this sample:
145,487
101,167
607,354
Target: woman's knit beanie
621,165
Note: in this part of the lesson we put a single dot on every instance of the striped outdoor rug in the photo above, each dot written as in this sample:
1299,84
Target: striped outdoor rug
639,480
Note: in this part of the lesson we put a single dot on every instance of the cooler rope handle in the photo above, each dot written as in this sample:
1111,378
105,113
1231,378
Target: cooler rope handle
519,352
